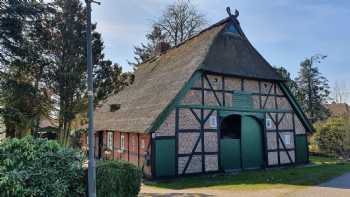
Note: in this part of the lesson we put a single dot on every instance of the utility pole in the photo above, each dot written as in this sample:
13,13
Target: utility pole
91,162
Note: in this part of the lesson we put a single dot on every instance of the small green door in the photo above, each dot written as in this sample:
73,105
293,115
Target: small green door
230,154
164,157
301,149
252,150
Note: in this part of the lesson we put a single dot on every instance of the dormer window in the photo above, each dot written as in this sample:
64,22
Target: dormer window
114,107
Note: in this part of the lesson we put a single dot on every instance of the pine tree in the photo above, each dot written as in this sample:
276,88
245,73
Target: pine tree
69,70
109,79
291,84
146,51
22,41
313,88
43,65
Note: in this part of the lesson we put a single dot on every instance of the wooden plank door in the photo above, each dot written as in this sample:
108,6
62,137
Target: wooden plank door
251,144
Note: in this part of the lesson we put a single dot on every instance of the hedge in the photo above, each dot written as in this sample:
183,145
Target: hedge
38,167
117,179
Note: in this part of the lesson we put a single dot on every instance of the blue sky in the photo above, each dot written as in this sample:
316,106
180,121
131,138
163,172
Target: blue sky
284,31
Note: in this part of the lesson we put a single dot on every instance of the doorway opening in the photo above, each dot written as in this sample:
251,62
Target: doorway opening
231,127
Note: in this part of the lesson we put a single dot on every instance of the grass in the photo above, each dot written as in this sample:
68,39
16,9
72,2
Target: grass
324,168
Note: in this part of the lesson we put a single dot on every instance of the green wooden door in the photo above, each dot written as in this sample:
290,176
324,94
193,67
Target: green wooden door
252,149
230,155
301,149
164,157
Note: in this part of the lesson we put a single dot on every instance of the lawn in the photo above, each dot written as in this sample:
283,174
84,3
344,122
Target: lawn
323,169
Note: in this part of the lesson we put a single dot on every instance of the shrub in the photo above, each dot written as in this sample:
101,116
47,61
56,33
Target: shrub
38,167
117,179
333,137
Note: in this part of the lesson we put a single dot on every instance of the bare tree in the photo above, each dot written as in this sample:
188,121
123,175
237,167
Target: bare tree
340,92
181,21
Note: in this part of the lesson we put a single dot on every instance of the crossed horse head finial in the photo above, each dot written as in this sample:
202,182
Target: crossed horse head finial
228,9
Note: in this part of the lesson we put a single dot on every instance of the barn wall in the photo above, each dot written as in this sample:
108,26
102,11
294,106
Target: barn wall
265,95
198,140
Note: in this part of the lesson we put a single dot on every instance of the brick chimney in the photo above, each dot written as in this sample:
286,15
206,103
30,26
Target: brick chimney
161,48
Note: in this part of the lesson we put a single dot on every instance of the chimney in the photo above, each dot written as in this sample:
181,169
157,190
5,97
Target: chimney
161,47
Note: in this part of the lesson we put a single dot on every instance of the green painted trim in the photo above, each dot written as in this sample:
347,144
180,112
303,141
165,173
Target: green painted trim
235,109
296,107
226,113
164,114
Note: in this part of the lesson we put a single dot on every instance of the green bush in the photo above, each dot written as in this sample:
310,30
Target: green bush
38,167
332,137
117,179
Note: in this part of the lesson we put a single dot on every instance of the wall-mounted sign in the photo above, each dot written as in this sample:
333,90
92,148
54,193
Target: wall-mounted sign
213,122
268,123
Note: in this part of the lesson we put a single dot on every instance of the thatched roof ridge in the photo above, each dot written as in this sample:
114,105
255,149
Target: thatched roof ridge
157,82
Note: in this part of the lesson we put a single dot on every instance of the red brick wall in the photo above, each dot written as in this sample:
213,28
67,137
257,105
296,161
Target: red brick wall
116,136
133,149
136,147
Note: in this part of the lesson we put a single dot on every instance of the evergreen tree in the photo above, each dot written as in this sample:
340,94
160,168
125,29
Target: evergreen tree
146,51
23,59
43,65
313,88
68,73
109,79
291,84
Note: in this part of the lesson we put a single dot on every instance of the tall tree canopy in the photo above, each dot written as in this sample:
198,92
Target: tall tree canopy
43,66
23,60
313,88
291,84
179,22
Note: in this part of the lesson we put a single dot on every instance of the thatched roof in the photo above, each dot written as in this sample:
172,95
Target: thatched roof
160,79
157,82
235,55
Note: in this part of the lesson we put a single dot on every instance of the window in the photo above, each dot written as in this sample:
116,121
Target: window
286,139
232,29
114,107
213,122
122,142
268,123
110,140
142,144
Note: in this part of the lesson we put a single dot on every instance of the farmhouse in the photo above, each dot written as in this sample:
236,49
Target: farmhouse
210,104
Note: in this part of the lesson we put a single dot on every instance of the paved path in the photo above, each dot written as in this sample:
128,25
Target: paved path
337,187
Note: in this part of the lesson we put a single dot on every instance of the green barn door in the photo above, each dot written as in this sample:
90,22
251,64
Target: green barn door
301,149
230,154
164,157
252,153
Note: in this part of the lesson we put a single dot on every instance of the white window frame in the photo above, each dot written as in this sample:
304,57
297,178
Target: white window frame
110,140
122,142
287,139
